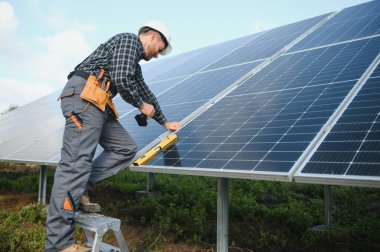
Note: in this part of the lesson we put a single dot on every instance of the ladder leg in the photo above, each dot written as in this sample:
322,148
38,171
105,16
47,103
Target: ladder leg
120,240
89,237
97,243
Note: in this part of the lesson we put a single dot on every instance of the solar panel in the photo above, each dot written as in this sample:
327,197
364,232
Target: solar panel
203,58
354,22
45,150
29,136
168,91
154,68
32,115
182,84
184,98
262,128
253,106
268,43
350,152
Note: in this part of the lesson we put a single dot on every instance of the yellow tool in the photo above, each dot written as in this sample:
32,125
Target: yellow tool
147,157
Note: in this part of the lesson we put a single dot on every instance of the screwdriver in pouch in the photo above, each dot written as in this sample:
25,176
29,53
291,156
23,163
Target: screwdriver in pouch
104,82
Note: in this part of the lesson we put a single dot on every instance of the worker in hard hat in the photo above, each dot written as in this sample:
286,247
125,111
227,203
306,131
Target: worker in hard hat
91,118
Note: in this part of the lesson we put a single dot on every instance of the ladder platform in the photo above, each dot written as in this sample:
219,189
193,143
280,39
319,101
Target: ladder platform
100,224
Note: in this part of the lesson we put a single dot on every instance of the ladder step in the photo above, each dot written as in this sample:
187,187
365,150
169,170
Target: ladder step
96,222
100,224
104,247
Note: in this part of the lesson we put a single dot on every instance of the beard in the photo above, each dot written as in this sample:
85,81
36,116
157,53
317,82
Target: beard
146,58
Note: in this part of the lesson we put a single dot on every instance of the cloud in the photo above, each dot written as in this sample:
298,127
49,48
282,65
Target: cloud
39,65
24,92
63,52
8,25
259,26
46,70
8,20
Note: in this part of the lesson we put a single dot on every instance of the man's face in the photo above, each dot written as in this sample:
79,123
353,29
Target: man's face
155,46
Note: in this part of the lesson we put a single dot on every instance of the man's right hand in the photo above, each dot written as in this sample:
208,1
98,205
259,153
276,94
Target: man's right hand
148,110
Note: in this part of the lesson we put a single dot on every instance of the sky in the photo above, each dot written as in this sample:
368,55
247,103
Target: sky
41,41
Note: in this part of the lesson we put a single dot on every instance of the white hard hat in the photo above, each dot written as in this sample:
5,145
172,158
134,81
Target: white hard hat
161,28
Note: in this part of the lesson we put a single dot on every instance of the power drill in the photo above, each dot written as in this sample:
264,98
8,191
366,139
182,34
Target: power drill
141,120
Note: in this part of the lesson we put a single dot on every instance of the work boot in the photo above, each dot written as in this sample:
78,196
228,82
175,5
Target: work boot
86,206
72,248
76,248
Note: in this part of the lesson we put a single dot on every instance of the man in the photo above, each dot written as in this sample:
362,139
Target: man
87,124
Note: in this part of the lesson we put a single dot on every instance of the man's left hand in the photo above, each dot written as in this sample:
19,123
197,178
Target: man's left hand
172,126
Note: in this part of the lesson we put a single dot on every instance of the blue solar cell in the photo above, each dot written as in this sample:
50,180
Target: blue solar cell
376,73
273,166
337,156
267,44
155,68
365,169
202,58
35,114
156,87
353,22
325,168
183,98
37,152
204,86
335,57
284,117
240,165
353,145
266,123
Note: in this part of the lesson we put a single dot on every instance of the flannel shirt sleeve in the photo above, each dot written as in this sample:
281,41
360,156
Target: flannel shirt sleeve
123,70
149,97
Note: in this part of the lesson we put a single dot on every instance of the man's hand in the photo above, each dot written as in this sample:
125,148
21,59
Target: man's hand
172,126
147,109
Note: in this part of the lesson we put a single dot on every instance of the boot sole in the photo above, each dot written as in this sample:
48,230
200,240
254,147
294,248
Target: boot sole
90,208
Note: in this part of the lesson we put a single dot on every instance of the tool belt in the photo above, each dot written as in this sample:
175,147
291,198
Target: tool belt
97,91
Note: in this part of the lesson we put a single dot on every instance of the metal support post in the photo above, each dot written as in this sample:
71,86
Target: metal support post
150,181
42,185
222,218
327,206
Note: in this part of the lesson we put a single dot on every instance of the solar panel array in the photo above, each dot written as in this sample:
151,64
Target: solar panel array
182,84
266,123
350,151
265,127
351,23
254,107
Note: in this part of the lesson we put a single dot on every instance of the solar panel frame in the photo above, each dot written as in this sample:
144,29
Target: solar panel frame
341,25
130,109
211,171
149,135
245,156
340,179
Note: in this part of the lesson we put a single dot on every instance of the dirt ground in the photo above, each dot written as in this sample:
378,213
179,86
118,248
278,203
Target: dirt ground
134,236
10,201
139,239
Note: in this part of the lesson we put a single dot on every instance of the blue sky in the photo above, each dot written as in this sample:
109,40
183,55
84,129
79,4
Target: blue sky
41,41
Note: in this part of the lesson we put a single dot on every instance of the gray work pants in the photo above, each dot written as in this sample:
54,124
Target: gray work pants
77,171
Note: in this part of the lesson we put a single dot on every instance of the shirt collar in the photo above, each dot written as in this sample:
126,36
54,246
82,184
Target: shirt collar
141,50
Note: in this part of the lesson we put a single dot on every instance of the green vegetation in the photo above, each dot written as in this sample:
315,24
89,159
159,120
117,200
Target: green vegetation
23,230
264,216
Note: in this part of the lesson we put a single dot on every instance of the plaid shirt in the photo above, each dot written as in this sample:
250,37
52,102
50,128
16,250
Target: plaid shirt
120,57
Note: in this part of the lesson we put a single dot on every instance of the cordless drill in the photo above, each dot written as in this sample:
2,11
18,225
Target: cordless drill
141,120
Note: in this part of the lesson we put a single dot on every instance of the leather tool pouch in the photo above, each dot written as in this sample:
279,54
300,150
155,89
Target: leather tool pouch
97,96
94,94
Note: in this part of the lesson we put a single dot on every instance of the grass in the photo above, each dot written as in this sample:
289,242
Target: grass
263,216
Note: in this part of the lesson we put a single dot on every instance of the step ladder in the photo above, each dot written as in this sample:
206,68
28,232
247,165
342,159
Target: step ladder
100,224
